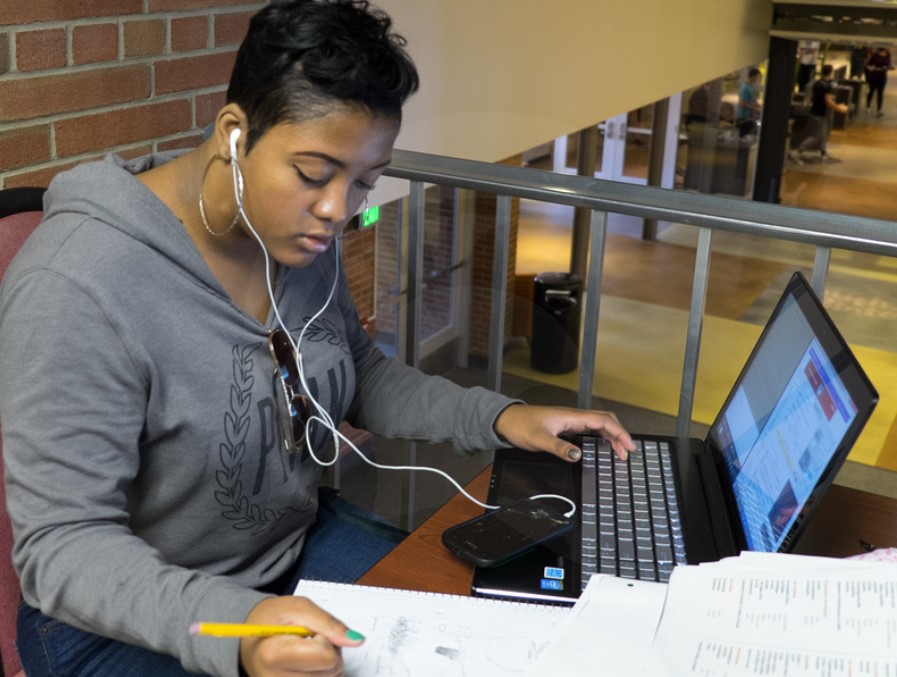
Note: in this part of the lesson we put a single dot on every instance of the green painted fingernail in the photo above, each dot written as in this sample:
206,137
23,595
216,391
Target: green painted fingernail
354,636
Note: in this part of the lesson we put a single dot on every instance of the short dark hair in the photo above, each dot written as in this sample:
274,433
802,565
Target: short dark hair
754,72
301,59
826,69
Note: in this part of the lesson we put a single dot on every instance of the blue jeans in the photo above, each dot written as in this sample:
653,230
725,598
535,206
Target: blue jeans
51,648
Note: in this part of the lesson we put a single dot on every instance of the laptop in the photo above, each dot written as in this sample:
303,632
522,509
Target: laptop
784,430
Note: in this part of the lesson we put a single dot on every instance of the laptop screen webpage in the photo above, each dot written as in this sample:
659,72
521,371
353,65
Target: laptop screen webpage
788,417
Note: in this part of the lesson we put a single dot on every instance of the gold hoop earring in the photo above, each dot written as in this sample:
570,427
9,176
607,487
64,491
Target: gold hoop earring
202,208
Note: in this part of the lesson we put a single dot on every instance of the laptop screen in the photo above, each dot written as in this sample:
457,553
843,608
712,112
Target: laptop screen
790,420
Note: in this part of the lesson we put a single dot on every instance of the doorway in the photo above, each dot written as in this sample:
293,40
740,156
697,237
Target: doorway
624,146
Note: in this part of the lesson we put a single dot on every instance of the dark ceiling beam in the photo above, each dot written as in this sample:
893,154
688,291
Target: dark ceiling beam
837,23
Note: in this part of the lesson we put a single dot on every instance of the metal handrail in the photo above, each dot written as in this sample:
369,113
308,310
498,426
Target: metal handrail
825,230
828,229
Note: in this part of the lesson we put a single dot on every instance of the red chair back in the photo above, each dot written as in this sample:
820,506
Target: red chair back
14,230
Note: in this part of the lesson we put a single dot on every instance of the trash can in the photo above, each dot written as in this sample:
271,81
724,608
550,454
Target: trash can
554,346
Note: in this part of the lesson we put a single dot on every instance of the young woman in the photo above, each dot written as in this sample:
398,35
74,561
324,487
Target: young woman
160,437
877,66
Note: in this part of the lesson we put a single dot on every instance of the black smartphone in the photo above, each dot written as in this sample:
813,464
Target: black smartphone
502,534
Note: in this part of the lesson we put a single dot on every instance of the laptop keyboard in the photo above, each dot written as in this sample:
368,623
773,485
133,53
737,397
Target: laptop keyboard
630,517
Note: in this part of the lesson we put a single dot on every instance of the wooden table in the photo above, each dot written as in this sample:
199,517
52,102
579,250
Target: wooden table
421,561
844,518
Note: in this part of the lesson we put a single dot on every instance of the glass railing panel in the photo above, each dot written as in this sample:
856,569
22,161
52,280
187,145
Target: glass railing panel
739,231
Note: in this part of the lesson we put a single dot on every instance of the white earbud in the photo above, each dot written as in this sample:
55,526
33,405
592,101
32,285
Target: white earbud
234,135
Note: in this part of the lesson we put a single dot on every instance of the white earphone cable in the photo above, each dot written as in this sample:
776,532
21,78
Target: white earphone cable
323,416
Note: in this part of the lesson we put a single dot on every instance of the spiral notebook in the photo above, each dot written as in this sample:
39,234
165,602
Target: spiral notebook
422,633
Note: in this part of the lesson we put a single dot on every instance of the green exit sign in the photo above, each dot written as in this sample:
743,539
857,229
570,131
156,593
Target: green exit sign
370,216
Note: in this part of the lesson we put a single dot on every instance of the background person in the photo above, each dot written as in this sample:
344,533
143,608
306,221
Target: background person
858,57
696,113
877,66
807,55
747,112
147,330
823,100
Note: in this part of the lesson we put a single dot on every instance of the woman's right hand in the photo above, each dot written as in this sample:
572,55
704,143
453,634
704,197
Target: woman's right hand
292,655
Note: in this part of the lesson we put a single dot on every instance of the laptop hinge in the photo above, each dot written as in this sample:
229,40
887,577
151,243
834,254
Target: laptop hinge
725,522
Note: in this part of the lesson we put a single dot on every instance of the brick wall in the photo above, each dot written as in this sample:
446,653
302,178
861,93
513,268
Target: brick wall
483,254
388,286
81,78
438,256
359,262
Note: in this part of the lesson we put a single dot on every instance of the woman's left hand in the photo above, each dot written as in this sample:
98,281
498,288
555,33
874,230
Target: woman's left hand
536,428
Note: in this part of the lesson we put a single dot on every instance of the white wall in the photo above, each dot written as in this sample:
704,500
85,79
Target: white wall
501,76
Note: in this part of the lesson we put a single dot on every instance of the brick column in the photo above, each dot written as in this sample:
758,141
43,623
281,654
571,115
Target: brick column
483,252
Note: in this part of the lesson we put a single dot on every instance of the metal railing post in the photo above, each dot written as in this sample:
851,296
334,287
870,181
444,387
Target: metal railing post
598,230
412,325
500,258
821,261
693,336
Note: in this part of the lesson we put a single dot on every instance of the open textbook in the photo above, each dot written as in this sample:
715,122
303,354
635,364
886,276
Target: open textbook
757,614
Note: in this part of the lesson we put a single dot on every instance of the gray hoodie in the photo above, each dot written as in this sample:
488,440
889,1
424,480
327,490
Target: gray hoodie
145,480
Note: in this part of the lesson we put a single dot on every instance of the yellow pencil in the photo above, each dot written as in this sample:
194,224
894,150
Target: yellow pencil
247,630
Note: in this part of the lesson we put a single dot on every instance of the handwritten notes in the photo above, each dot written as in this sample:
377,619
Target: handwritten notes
419,633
